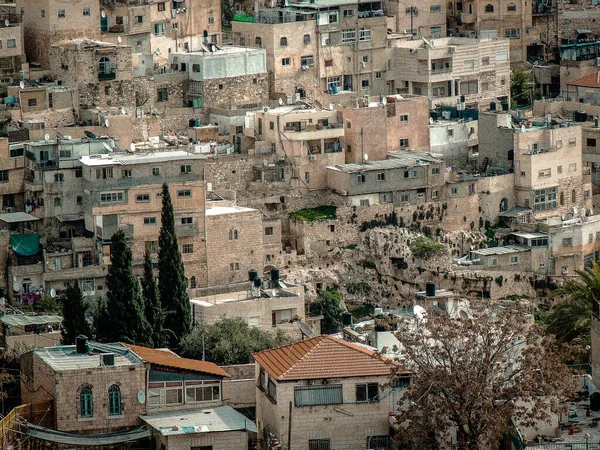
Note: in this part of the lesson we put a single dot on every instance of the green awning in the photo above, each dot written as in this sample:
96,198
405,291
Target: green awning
25,244
21,319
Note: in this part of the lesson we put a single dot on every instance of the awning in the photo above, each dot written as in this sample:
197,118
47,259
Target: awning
584,31
17,217
21,319
70,217
515,212
87,440
25,244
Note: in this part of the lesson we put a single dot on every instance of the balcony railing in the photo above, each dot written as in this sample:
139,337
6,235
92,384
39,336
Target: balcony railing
105,233
107,75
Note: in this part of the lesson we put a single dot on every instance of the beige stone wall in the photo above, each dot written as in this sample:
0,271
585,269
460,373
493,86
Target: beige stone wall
431,13
235,91
226,440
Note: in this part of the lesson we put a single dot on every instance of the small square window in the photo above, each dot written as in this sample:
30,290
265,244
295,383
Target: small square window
187,220
365,84
61,14
286,61
149,220
43,13
187,168
381,176
59,177
156,171
87,12
79,200
283,42
268,231
187,248
161,6
378,75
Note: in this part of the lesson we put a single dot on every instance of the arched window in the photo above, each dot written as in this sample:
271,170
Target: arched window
233,235
193,283
511,7
470,8
489,8
573,196
504,205
86,402
104,65
114,400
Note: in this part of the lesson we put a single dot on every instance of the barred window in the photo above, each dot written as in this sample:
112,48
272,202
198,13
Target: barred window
318,395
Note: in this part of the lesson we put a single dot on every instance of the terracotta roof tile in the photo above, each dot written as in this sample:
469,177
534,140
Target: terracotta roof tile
166,358
322,357
590,81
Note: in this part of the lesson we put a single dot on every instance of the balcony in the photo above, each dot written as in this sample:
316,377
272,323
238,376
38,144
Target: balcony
107,75
105,233
187,230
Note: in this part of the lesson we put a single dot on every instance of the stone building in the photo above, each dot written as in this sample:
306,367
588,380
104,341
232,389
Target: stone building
451,70
427,19
455,138
47,22
332,405
12,186
12,50
401,119
314,47
225,77
490,19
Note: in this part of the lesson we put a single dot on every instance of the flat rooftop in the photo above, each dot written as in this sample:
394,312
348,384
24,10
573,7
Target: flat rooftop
220,210
64,357
222,50
526,235
124,159
397,160
500,250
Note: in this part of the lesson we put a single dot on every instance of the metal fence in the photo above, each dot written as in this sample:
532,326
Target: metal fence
565,446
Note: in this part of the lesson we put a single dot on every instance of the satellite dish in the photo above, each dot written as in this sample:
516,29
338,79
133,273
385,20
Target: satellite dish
522,128
119,40
331,107
106,123
6,22
366,157
103,14
384,101
280,102
46,137
157,52
132,147
89,134
52,292
141,397
123,110
22,84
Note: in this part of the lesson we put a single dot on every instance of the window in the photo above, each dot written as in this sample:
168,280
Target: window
586,194
572,142
468,87
64,154
381,176
272,390
489,8
126,173
58,177
87,12
377,442
511,7
104,174
492,262
512,33
333,81
161,6
142,198
114,400
187,248
333,17
410,174
159,29
15,152
32,102
365,84
319,444
176,26
211,20
186,168
233,267
202,391
162,94
435,8
307,61
545,199
364,34
435,194
268,231
187,220
149,220
454,191
349,35
43,13
159,394
360,178
307,39
364,203
403,143
86,402
402,382
368,392
435,31
378,75
138,20
151,247
544,173
61,14
186,193
285,61
567,242
450,132
318,395
233,235
79,200
514,260
591,142
348,13
573,167
403,118
485,87
283,41
111,197
485,61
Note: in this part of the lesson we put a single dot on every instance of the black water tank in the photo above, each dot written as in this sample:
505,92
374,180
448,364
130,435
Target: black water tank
579,116
274,274
462,98
192,123
430,289
257,282
595,401
252,274
346,319
81,345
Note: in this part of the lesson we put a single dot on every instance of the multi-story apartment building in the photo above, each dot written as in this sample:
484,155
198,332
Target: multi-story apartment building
317,47
11,171
49,21
123,191
428,19
385,124
407,178
303,137
485,19
160,26
452,70
12,50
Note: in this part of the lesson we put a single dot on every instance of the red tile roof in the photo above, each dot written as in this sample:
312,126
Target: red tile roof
323,357
166,358
590,81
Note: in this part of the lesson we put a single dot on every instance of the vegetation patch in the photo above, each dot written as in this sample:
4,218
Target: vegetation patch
312,214
423,247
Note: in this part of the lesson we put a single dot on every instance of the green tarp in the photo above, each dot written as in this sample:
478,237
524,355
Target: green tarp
85,440
21,319
25,244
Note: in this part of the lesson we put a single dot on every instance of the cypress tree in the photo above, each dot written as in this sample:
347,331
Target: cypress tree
73,310
152,306
124,303
172,285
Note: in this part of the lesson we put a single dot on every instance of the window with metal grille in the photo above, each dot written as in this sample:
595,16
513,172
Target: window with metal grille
318,395
114,400
377,442
367,392
272,391
319,444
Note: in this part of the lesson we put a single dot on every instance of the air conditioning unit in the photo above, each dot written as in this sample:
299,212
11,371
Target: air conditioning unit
312,157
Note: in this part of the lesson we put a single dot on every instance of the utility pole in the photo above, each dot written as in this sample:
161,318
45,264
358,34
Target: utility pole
362,146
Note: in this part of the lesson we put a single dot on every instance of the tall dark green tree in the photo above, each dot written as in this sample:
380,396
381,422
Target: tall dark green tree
73,310
152,306
172,285
327,305
124,305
